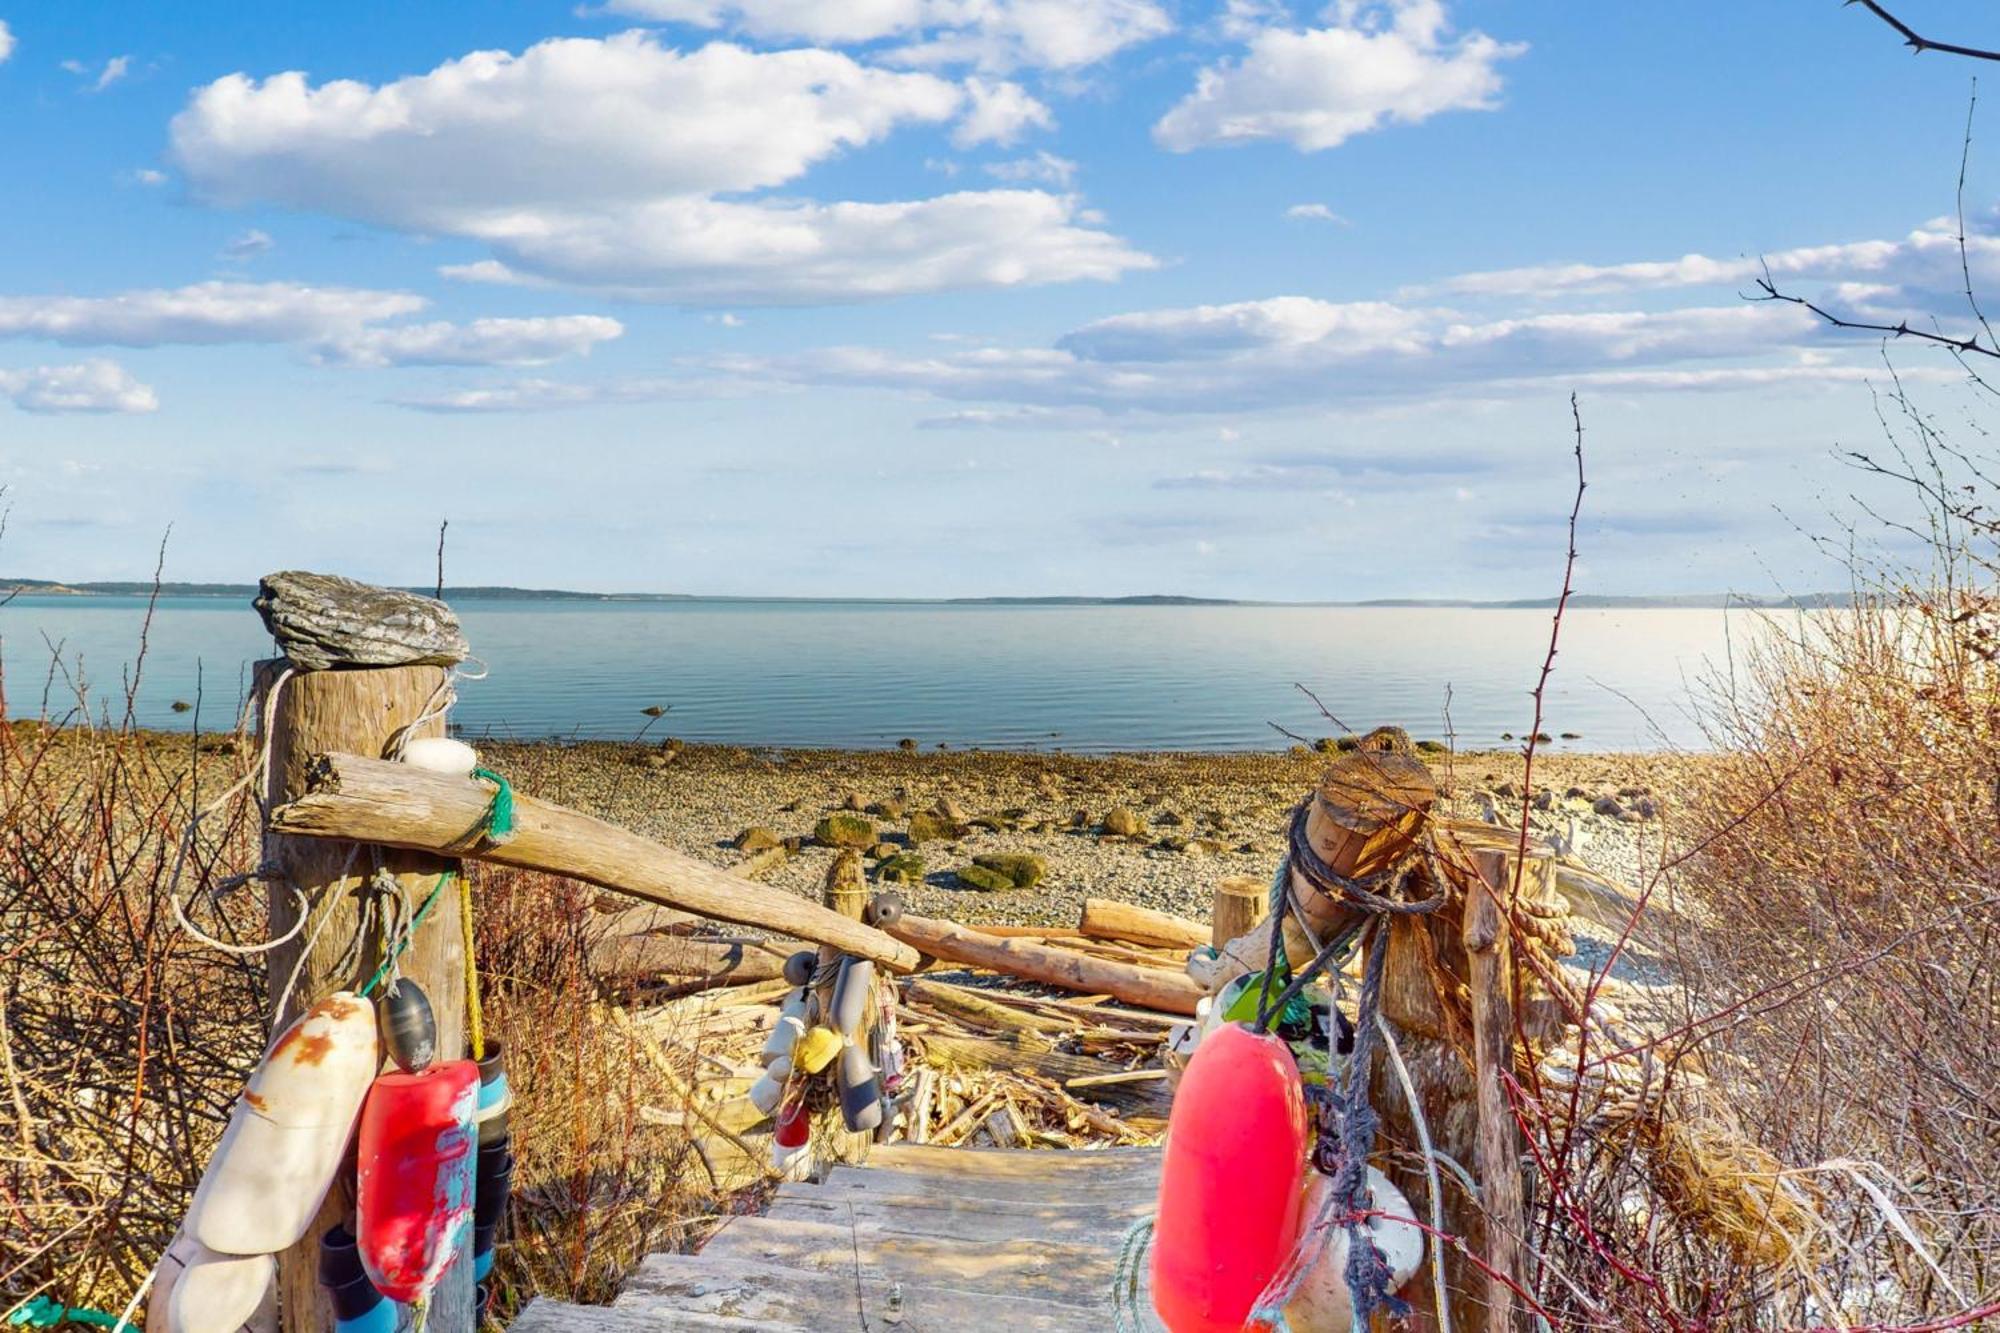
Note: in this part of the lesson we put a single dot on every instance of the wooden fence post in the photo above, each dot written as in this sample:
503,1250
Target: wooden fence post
1241,901
356,711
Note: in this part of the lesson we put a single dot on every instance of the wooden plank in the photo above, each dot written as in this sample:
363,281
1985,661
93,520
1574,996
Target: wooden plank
1101,1224
1109,919
1150,987
546,1316
1022,1266
1016,1165
374,800
749,1290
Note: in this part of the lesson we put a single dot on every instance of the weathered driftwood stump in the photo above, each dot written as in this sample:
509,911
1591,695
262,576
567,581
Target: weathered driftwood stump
323,621
353,711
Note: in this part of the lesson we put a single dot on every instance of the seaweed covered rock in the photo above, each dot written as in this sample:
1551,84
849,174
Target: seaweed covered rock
902,868
845,830
930,828
1022,869
980,878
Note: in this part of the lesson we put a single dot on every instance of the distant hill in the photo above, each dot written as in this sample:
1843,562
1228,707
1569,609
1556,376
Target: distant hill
484,592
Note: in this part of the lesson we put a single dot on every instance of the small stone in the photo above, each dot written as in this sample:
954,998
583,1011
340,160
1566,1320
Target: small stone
1646,808
980,878
1545,799
1608,805
882,851
1022,869
1121,822
1432,747
950,811
756,838
845,830
851,801
1575,793
907,744
902,868
1170,819
889,809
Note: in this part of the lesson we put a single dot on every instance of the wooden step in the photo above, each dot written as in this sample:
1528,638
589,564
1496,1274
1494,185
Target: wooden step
543,1315
831,1301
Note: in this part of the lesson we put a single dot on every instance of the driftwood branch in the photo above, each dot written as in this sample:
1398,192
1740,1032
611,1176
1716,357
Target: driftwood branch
1151,987
395,805
1109,919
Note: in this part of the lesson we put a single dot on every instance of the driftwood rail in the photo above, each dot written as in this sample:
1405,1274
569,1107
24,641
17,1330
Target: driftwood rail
395,805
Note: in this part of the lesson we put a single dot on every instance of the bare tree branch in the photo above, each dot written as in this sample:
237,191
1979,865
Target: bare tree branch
1921,44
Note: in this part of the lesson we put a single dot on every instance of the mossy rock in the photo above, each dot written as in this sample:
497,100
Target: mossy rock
929,828
1432,747
989,823
1121,822
902,868
1024,870
756,838
889,809
845,830
882,851
986,881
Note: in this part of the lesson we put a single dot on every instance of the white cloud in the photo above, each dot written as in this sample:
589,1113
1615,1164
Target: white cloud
1290,352
482,342
88,386
1000,113
598,163
713,252
249,244
6,41
991,34
109,73
148,176
1044,167
546,395
1314,213
339,325
1379,64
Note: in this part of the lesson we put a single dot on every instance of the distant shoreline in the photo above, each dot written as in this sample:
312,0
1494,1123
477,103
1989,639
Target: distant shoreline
1703,601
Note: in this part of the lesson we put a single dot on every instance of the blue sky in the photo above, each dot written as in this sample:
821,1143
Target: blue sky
958,297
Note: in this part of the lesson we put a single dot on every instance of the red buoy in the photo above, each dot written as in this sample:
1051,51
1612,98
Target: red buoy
415,1152
1231,1182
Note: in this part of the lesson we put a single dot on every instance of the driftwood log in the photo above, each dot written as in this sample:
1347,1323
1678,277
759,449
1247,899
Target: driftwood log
1108,919
1152,987
378,801
323,621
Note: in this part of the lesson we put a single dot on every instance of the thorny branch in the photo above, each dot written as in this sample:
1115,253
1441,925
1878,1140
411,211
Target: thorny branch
1919,43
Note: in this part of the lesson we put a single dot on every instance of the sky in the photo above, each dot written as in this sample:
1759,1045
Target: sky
967,297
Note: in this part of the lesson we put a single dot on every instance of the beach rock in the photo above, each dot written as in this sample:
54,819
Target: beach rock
1170,819
756,838
902,868
1121,822
1545,799
1607,805
1432,747
882,851
1022,869
907,744
322,621
929,828
889,809
1646,808
845,830
980,878
950,811
851,801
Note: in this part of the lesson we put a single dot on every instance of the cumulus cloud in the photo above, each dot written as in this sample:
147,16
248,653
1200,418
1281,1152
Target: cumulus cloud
482,342
999,113
598,163
1043,167
1315,88
6,41
991,34
339,325
88,386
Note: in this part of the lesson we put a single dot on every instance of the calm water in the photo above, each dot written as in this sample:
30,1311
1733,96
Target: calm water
1074,678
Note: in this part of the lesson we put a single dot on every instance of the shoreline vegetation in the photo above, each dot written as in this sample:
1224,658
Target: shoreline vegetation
1697,601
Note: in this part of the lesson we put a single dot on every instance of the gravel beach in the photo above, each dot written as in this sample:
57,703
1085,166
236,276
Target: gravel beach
1194,818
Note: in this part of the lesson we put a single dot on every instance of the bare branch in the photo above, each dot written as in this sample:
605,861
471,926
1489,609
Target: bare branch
1921,44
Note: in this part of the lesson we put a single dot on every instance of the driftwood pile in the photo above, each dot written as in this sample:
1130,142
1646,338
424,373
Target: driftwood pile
996,1058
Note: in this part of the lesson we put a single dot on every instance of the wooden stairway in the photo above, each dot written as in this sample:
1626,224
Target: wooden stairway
973,1239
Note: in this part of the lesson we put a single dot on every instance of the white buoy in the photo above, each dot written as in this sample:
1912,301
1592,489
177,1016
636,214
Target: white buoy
766,1093
287,1132
200,1291
1322,1304
441,754
790,1027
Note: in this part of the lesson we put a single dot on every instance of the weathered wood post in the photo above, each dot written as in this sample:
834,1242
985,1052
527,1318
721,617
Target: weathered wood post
361,665
1241,901
1489,981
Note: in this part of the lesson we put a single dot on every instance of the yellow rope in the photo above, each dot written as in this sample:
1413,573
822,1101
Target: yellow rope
474,1026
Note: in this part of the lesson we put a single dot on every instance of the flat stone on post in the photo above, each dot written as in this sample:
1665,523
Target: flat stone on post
323,621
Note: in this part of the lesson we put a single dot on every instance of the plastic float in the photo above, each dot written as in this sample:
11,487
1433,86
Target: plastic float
856,1076
416,1156
493,1179
1231,1183
441,754
197,1290
791,1147
409,1028
791,1023
1322,1303
357,1306
287,1133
